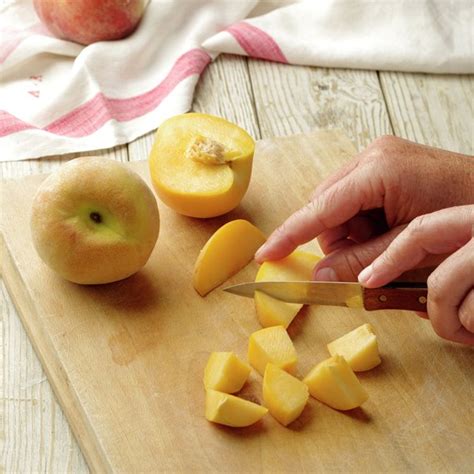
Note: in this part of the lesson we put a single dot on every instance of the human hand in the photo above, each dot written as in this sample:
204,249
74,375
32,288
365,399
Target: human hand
358,211
450,302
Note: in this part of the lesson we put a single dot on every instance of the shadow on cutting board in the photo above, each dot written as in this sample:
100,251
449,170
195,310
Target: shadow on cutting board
135,294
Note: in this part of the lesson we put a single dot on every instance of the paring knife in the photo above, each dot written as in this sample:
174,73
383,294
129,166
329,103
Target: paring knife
397,295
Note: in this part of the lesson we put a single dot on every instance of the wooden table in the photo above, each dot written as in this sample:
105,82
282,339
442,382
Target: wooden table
268,100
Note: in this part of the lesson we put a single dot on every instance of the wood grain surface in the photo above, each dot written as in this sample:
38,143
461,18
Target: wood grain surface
299,99
34,433
126,359
435,110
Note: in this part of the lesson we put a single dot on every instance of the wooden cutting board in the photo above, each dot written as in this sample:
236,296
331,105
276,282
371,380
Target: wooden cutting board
126,359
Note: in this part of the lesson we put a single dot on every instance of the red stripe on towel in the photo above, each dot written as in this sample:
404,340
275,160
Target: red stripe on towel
256,43
10,124
93,114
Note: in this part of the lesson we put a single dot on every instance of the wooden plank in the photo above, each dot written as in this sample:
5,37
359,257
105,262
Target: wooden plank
139,148
293,99
435,110
138,340
223,81
35,433
224,90
457,96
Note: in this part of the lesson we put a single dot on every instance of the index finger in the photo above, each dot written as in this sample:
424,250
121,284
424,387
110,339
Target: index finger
359,190
335,177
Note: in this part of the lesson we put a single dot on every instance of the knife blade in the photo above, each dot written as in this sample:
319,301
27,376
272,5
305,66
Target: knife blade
397,295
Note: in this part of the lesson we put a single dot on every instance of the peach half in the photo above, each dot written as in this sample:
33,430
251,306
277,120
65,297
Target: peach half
201,165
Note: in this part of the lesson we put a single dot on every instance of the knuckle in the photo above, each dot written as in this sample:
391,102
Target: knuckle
285,234
440,329
417,226
282,230
317,209
389,259
467,320
437,321
386,139
311,207
382,153
439,315
435,288
386,153
385,142
371,156
466,312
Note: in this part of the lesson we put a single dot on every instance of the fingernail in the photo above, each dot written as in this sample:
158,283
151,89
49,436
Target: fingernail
365,274
326,274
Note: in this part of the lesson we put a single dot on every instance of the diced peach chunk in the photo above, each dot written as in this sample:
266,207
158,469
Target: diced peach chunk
225,372
334,383
271,345
284,395
359,348
230,410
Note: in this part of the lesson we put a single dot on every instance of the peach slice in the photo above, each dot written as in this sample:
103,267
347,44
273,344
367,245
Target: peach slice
296,266
334,383
200,164
225,372
284,395
228,250
271,345
230,410
359,348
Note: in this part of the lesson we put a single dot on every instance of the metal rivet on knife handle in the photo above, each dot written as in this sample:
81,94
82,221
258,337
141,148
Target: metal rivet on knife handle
410,298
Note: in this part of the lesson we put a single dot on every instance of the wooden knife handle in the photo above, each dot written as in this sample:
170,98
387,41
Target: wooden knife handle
398,295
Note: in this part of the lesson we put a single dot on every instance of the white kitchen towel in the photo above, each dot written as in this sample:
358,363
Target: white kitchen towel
433,36
59,97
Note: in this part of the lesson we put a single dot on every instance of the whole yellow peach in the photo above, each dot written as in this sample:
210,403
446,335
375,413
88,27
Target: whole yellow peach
94,221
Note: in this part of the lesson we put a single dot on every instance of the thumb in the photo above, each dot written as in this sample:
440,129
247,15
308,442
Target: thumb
440,232
346,263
